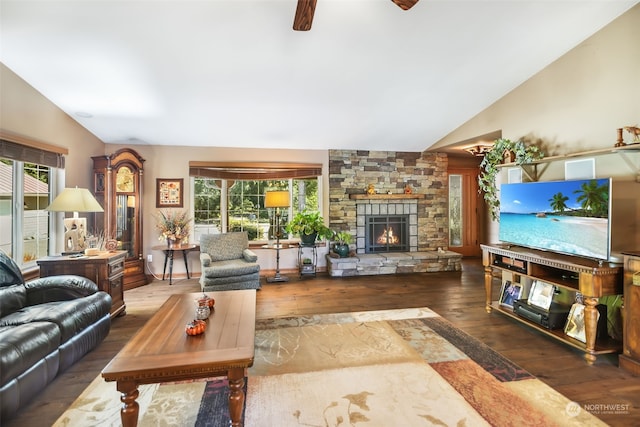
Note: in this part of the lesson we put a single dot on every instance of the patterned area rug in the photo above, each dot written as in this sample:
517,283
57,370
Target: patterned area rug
381,368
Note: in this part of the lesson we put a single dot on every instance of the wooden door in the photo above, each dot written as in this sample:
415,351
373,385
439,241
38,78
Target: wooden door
464,218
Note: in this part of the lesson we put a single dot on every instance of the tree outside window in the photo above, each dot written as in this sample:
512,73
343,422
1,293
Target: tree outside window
245,209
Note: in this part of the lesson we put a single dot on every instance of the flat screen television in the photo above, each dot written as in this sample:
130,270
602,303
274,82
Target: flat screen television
570,217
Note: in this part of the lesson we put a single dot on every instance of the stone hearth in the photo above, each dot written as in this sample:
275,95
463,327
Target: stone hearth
394,263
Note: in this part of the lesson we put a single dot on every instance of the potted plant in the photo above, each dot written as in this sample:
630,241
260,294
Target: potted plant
502,149
309,225
341,247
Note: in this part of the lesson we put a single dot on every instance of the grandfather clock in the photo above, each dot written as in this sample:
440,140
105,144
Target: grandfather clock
118,188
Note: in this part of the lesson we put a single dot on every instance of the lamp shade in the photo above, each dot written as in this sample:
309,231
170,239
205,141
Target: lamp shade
75,200
276,199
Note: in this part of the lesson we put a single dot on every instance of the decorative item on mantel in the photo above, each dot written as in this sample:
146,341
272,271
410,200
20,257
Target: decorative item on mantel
173,226
408,189
371,189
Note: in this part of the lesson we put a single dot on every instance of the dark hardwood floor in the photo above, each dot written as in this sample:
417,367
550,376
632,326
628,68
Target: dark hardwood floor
459,297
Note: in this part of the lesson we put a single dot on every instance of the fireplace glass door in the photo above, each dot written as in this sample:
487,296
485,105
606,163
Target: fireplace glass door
387,233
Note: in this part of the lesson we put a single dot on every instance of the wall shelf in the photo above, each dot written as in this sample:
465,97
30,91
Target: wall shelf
534,174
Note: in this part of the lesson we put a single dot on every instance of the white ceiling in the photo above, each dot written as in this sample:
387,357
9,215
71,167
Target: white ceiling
233,73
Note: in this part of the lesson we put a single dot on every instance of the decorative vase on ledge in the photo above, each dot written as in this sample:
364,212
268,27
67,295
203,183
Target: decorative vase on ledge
342,250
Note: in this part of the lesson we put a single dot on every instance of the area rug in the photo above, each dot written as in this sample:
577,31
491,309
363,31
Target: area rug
385,368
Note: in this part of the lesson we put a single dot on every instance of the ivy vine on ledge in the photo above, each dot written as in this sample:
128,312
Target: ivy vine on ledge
503,150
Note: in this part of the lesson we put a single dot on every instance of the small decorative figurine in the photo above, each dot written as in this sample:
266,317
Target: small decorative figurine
371,189
408,189
635,133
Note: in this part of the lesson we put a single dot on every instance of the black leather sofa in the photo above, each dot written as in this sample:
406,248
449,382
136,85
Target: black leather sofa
46,325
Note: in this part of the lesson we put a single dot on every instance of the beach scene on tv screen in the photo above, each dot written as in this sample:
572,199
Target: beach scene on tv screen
570,217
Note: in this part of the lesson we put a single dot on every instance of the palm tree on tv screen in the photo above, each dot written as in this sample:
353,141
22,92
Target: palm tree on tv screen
594,199
559,202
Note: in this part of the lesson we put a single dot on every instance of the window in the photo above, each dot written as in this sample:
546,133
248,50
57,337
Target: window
244,210
27,222
229,196
27,175
207,212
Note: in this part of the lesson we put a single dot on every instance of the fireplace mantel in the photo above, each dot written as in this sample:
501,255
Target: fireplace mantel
385,196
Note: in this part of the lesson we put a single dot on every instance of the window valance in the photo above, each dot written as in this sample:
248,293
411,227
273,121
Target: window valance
30,151
254,170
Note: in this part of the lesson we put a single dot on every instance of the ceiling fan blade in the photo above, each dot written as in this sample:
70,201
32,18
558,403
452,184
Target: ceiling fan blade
404,4
304,15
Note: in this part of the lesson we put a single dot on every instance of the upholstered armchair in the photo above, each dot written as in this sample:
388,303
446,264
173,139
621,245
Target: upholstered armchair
227,263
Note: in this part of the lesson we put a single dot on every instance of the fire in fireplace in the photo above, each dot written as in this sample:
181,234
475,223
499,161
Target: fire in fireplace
388,237
387,233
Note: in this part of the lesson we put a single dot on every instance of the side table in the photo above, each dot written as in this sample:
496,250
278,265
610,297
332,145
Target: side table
106,269
168,256
308,269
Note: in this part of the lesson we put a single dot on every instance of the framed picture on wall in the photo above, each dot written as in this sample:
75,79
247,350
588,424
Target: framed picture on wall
169,193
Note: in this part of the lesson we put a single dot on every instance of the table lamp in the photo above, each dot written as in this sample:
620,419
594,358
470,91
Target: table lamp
277,200
75,200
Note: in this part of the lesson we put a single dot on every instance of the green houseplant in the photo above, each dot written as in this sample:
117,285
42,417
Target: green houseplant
341,247
309,225
515,151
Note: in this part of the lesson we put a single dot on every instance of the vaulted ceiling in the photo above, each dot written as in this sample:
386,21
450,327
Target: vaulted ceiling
233,73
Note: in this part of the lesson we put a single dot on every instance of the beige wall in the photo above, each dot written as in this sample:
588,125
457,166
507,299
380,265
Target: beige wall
575,104
25,112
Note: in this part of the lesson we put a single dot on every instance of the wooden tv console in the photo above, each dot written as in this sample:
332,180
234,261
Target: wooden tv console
575,274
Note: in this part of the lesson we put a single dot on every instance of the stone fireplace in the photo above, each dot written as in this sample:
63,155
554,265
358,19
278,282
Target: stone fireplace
389,172
424,211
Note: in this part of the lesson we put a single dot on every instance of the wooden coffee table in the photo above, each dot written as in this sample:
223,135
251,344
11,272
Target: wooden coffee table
162,352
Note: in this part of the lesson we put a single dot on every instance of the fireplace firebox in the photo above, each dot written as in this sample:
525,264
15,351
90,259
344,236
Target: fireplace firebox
387,233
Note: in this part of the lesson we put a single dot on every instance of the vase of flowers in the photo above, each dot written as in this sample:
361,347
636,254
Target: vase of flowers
173,226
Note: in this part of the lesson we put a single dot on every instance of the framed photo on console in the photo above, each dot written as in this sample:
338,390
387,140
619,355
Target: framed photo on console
575,323
541,294
509,293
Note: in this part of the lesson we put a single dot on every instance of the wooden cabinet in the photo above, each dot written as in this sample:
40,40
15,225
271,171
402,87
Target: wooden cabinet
569,275
118,188
630,357
105,269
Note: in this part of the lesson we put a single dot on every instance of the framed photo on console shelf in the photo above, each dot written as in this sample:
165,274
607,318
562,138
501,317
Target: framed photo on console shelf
575,323
509,293
541,294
